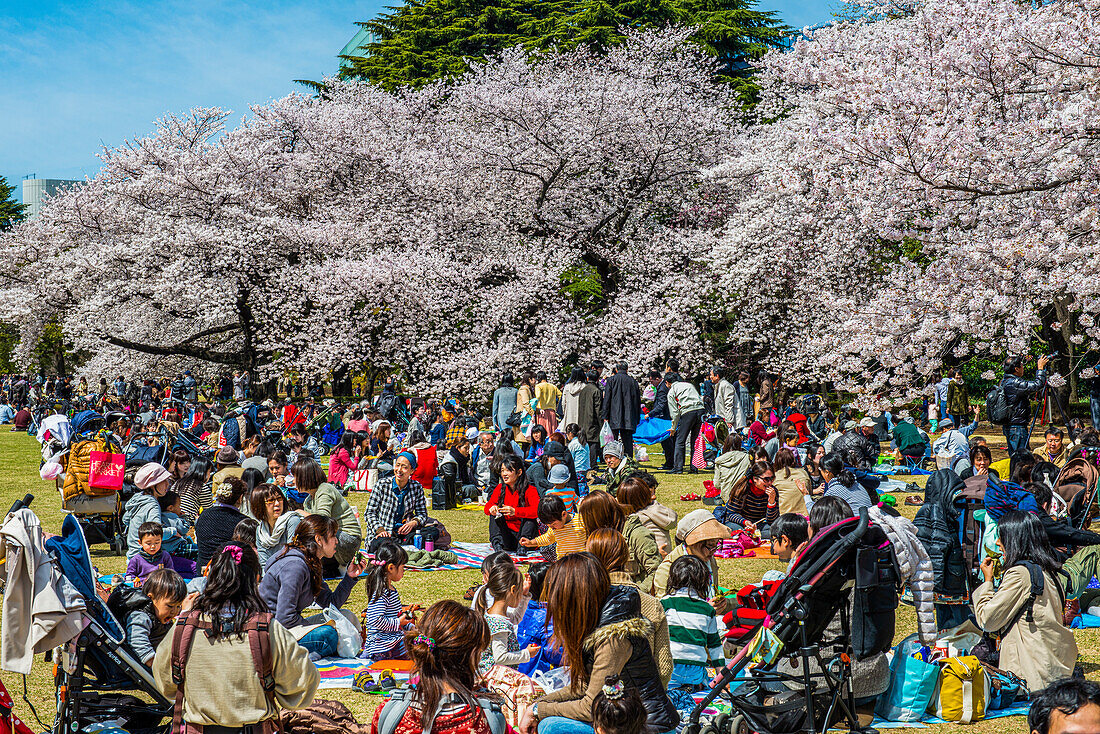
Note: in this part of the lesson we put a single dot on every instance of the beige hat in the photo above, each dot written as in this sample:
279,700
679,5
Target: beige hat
700,525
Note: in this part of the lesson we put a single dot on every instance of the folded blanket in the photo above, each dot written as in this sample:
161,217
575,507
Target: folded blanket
431,559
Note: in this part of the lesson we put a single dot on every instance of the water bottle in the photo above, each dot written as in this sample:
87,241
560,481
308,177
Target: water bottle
418,541
429,545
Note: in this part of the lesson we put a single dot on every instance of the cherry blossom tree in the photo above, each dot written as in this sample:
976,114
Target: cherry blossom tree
526,214
932,178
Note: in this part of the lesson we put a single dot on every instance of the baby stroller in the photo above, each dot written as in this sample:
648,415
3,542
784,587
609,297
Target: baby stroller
804,685
1076,484
99,679
99,513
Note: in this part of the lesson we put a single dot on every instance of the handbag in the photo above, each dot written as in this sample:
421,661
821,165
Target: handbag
105,468
514,420
912,685
698,460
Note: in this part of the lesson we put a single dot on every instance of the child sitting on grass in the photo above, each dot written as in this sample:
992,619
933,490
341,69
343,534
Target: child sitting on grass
148,612
151,557
692,624
535,629
506,590
565,531
385,621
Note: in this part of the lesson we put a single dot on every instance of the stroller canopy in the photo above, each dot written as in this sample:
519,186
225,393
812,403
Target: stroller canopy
71,551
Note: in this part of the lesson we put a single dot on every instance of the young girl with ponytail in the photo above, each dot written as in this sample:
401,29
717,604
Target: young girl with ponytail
503,590
444,651
385,622
294,581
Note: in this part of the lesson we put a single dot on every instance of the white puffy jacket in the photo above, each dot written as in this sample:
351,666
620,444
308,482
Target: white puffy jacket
914,566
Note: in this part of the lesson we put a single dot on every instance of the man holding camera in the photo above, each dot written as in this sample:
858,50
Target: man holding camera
1018,395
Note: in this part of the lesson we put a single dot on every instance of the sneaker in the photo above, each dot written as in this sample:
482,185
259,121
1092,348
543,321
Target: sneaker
914,501
469,595
364,681
386,681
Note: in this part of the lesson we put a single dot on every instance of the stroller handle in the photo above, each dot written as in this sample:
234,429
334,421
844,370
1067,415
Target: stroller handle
20,504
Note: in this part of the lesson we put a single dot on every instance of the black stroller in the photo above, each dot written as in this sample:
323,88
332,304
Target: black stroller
807,687
98,677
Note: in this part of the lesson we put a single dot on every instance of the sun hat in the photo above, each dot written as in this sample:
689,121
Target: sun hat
150,475
559,474
700,525
227,455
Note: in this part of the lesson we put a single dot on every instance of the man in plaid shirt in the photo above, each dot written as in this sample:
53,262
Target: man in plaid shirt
396,507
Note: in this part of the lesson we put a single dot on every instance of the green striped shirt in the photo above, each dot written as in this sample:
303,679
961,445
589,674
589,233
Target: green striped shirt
692,629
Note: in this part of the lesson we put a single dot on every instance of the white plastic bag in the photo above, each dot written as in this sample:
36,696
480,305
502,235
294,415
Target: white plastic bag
552,680
606,434
351,639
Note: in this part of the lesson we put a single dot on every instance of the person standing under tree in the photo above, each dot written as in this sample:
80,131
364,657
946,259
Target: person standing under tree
1018,395
622,407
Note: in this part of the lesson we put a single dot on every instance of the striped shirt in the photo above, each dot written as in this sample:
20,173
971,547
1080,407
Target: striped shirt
570,539
856,496
383,625
568,495
751,507
692,630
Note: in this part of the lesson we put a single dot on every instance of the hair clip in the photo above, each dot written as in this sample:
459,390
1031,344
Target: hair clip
377,562
613,691
234,551
426,641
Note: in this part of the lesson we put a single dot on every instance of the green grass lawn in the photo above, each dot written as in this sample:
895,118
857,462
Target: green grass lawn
19,461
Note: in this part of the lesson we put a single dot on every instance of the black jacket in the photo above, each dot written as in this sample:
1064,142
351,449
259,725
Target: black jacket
660,402
937,524
622,402
621,617
1064,535
1018,394
854,440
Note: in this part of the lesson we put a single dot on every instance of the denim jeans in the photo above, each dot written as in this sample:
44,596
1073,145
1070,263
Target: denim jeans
323,641
562,725
1094,406
944,415
1018,438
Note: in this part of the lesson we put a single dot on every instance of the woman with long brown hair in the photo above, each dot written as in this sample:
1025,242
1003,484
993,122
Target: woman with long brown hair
601,510
611,549
604,634
444,650
294,581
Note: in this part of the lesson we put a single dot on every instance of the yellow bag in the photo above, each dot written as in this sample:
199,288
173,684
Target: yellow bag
962,690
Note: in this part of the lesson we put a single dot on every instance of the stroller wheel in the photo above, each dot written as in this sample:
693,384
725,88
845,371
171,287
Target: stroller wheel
721,723
739,725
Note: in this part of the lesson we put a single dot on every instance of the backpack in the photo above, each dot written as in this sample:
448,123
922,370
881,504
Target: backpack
322,717
1038,583
996,405
394,709
258,632
125,599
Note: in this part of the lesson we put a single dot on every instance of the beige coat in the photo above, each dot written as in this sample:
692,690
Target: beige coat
791,497
660,520
728,468
655,613
221,685
40,610
1041,651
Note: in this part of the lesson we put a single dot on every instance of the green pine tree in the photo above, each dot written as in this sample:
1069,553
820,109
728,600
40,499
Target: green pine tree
11,211
424,40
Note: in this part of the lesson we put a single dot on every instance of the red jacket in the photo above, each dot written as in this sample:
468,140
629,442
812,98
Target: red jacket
505,495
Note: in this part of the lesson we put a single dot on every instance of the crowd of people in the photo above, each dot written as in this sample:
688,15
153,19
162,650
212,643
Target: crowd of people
626,596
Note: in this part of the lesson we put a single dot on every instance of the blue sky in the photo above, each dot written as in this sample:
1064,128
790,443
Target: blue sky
81,75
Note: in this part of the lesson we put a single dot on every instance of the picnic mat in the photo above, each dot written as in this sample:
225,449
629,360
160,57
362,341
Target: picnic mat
340,672
1019,709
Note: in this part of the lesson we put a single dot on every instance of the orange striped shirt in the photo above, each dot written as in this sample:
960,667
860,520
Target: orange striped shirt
570,539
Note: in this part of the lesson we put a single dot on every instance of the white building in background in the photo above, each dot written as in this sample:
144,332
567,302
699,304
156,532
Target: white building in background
35,191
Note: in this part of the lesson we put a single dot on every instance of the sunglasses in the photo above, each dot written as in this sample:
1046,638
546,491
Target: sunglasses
768,480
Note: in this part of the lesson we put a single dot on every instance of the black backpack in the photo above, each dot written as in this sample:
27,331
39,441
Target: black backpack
1038,584
996,405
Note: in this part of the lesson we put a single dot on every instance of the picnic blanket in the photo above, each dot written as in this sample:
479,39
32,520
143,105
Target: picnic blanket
340,672
1019,709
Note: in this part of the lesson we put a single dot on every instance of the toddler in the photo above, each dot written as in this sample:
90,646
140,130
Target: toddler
506,587
535,629
692,625
152,557
148,612
385,622
559,479
581,457
618,709
176,538
565,531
